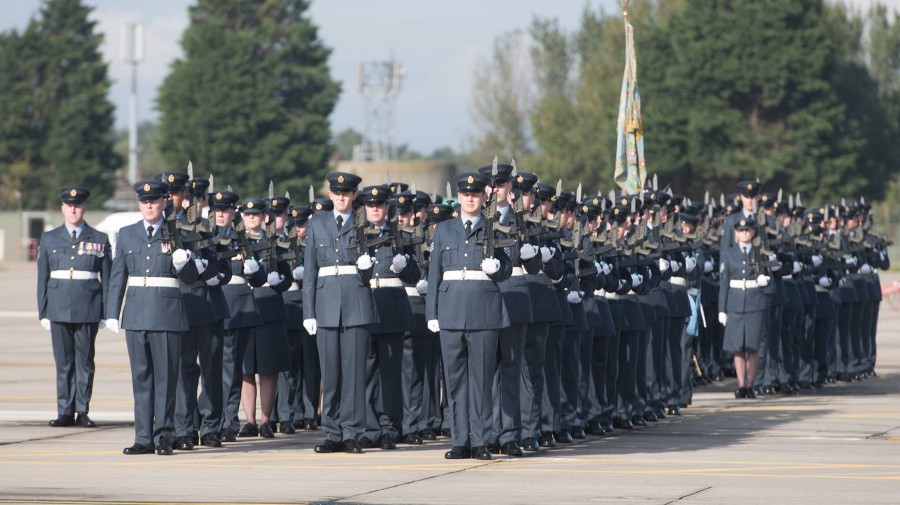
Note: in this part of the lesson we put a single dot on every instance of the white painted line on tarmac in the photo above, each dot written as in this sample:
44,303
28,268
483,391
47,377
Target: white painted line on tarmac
47,415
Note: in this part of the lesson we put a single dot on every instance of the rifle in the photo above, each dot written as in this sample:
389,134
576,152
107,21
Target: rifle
490,242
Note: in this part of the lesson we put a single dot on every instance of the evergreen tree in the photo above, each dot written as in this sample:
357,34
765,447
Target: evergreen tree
251,98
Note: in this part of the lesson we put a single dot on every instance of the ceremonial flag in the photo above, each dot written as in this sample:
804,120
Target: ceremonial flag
631,169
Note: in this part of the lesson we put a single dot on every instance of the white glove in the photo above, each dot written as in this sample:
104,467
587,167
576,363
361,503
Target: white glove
201,265
310,326
881,255
398,263
45,324
298,273
490,266
865,269
606,268
663,264
842,281
546,254
762,281
773,258
676,266
723,318
214,280
816,260
825,281
102,324
797,267
112,325
528,251
575,296
180,258
274,278
422,287
364,262
851,260
707,266
690,264
433,326
205,212
621,284
251,266
637,279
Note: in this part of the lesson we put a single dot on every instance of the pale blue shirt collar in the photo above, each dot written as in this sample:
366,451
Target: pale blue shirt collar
77,230
155,225
503,211
475,220
345,217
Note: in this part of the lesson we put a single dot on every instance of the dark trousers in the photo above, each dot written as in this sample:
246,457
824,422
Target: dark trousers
415,359
73,352
233,345
612,377
585,379
287,394
433,410
658,340
384,386
597,398
550,402
569,375
342,358
154,358
470,358
203,415
531,388
507,416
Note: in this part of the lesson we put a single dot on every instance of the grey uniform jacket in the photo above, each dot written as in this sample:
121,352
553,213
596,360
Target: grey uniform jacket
73,301
335,300
146,308
736,267
242,311
393,304
464,304
516,294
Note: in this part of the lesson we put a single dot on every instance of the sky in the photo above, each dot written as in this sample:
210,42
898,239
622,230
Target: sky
439,42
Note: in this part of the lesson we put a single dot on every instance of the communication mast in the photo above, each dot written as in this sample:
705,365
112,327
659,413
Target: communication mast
379,82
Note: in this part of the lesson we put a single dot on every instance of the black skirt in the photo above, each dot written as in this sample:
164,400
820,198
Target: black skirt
267,349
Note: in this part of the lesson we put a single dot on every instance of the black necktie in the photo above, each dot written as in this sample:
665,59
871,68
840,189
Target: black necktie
746,250
468,228
74,235
340,222
150,232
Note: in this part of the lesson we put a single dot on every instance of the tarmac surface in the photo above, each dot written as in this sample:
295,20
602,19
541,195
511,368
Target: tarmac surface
840,444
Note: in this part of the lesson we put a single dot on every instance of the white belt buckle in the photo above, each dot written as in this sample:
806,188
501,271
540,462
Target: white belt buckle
464,273
71,273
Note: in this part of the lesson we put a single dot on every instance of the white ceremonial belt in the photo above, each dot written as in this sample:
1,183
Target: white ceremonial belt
678,281
390,282
517,272
337,270
412,291
465,275
743,284
294,287
237,279
153,282
72,274
612,296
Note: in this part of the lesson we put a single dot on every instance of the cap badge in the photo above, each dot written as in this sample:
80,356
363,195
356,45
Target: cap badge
73,192
171,178
437,210
624,201
596,201
249,205
146,188
520,179
340,179
218,196
274,203
584,208
470,180
750,186
318,206
401,200
374,191
743,222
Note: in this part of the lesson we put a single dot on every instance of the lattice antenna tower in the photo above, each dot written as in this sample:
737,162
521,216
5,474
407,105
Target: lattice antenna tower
379,82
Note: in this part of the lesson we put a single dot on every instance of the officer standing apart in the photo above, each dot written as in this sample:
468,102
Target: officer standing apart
465,305
72,261
338,307
145,275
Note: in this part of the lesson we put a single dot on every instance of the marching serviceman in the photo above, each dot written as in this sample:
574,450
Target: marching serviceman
145,276
339,308
465,305
73,276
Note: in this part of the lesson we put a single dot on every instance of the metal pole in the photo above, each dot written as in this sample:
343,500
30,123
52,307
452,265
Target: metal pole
132,127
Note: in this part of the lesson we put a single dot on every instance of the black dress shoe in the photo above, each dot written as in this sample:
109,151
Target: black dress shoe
805,385
427,434
751,393
195,437
329,446
547,439
411,439
578,433
481,453
594,428
638,421
287,428
229,436
740,393
458,452
530,444
138,449
308,424
352,447
63,421
650,417
184,444
365,443
164,448
563,437
265,431
623,424
511,449
769,390
84,421
387,443
211,440
674,410
494,447
660,412
608,426
446,433
249,430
